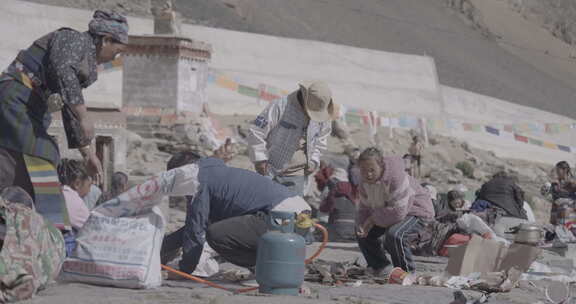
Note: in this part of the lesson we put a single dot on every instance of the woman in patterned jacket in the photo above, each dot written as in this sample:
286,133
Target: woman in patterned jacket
47,77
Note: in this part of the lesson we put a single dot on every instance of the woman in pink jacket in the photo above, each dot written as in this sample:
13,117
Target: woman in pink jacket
392,205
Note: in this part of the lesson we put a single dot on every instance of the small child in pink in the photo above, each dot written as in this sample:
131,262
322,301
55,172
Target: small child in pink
75,185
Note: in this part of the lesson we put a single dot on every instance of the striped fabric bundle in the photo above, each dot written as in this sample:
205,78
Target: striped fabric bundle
48,200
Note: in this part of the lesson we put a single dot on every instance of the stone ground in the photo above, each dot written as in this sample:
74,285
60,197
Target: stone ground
175,292
440,157
145,158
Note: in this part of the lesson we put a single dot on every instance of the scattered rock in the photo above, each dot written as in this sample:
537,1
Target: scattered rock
474,160
453,176
480,175
541,208
453,180
466,147
441,156
134,140
465,168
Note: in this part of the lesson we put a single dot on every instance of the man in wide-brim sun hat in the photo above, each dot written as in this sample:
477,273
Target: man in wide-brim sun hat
299,121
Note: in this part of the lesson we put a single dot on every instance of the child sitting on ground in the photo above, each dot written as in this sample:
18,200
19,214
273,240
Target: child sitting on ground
75,184
393,205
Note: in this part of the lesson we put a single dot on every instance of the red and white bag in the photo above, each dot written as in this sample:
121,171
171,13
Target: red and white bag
119,244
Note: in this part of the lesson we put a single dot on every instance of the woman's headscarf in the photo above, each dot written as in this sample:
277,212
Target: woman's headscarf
109,23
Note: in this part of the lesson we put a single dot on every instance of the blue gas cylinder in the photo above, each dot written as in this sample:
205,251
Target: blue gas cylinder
281,253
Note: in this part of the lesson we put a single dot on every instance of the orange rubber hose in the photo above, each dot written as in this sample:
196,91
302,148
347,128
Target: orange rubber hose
324,241
245,289
194,278
236,291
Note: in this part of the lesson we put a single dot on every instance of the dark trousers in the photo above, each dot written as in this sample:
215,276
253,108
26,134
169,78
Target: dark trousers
234,239
13,171
395,243
295,183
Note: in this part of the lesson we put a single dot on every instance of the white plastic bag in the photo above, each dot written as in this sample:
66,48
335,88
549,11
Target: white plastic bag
120,243
207,265
473,224
529,212
564,234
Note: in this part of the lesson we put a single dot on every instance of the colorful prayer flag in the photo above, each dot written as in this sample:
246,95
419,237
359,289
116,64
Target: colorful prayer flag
403,122
564,128
353,118
492,130
471,127
227,83
413,122
248,91
521,138
550,145
211,77
385,121
536,142
552,128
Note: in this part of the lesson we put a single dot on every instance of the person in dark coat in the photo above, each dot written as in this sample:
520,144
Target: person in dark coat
502,195
228,212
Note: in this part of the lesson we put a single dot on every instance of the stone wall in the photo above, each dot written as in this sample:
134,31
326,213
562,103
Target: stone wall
192,85
150,81
165,72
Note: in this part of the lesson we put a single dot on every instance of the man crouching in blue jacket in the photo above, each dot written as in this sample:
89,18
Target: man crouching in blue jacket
228,212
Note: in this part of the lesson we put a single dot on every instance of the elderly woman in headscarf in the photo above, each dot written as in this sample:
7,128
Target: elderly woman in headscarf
48,77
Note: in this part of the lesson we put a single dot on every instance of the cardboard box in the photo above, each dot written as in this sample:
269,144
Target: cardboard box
520,257
479,255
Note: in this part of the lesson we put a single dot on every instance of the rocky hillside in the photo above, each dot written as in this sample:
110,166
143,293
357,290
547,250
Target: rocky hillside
557,16
466,56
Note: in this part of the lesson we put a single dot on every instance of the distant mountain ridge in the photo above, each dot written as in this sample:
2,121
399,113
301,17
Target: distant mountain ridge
465,57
